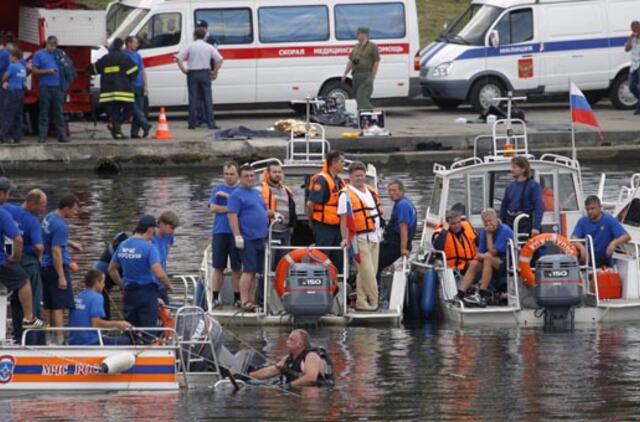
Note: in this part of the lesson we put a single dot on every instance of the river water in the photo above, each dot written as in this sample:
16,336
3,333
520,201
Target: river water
411,373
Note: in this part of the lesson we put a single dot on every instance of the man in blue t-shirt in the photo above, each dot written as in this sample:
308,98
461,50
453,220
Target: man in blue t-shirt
140,89
606,231
13,81
89,312
400,228
249,222
26,217
51,92
56,277
140,262
12,275
4,64
222,248
491,260
163,240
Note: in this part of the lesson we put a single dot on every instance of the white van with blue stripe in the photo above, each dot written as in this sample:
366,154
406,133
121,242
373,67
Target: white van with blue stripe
531,47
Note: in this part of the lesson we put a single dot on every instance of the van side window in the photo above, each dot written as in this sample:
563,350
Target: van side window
293,24
516,27
162,30
228,26
384,20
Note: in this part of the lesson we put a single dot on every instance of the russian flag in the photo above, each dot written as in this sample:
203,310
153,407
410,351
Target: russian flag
351,228
581,111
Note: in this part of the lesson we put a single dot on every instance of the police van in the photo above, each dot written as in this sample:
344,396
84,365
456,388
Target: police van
531,47
274,50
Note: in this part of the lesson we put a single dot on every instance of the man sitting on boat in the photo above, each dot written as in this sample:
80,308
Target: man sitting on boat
304,366
89,312
458,240
400,229
606,231
490,261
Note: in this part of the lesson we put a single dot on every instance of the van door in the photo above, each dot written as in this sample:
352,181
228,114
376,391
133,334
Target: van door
161,37
232,30
575,46
518,55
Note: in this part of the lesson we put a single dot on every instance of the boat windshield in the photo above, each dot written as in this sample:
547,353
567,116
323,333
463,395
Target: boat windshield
122,19
470,28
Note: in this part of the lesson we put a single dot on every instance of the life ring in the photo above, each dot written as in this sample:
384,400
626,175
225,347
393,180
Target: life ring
535,243
296,256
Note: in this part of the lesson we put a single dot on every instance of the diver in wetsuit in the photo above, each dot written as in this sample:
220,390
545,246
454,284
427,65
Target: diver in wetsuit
304,365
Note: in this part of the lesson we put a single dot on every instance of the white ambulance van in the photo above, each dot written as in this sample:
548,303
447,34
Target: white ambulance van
274,50
531,47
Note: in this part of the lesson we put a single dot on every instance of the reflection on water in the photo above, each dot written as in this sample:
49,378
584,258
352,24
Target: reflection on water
402,374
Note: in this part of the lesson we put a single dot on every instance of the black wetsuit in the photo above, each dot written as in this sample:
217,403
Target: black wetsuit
292,369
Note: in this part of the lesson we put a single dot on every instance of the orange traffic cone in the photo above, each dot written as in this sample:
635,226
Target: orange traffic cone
162,132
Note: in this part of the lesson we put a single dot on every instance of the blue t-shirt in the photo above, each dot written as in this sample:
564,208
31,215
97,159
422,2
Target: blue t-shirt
138,82
248,204
162,244
220,221
500,238
4,60
54,233
29,227
89,304
603,231
403,212
17,74
8,228
44,59
513,201
136,256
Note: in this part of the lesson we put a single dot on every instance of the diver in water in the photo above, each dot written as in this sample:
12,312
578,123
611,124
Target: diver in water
304,366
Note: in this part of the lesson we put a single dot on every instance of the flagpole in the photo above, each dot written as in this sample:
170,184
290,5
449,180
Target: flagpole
574,153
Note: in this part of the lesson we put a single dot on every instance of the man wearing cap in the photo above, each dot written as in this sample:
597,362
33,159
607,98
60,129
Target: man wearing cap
55,73
363,65
200,55
140,263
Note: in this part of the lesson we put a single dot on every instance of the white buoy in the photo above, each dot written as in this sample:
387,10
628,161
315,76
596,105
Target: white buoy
118,363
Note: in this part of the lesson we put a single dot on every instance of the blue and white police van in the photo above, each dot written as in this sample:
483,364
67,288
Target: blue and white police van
531,47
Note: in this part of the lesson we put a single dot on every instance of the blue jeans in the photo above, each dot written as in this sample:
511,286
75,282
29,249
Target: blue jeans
634,85
199,83
51,101
139,119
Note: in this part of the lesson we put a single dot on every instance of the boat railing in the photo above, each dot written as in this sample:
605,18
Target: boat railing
308,148
164,333
508,142
185,288
425,229
559,159
519,239
481,139
269,273
589,270
439,168
513,291
264,162
4,297
430,261
466,162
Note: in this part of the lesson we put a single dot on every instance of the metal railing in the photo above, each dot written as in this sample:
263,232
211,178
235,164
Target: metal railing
157,332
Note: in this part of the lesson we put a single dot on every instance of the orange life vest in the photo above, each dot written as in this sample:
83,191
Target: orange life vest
460,250
326,213
269,197
365,221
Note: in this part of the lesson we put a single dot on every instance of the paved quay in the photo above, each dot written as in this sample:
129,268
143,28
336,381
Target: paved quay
419,133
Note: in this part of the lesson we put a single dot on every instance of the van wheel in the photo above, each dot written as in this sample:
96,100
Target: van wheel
341,91
620,95
483,93
446,104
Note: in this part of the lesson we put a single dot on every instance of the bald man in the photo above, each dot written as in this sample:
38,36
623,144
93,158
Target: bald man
26,217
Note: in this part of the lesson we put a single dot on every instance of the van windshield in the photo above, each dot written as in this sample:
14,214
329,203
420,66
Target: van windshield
122,19
471,26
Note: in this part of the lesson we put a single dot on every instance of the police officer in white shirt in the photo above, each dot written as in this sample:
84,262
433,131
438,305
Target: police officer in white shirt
633,45
200,55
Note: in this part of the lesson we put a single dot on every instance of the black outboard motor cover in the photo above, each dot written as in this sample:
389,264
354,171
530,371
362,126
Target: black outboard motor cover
558,283
307,290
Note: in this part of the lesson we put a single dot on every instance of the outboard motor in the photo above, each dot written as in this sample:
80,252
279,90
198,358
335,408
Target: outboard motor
201,336
308,292
558,290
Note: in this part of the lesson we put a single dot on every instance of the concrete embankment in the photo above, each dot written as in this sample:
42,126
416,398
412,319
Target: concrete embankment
419,135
